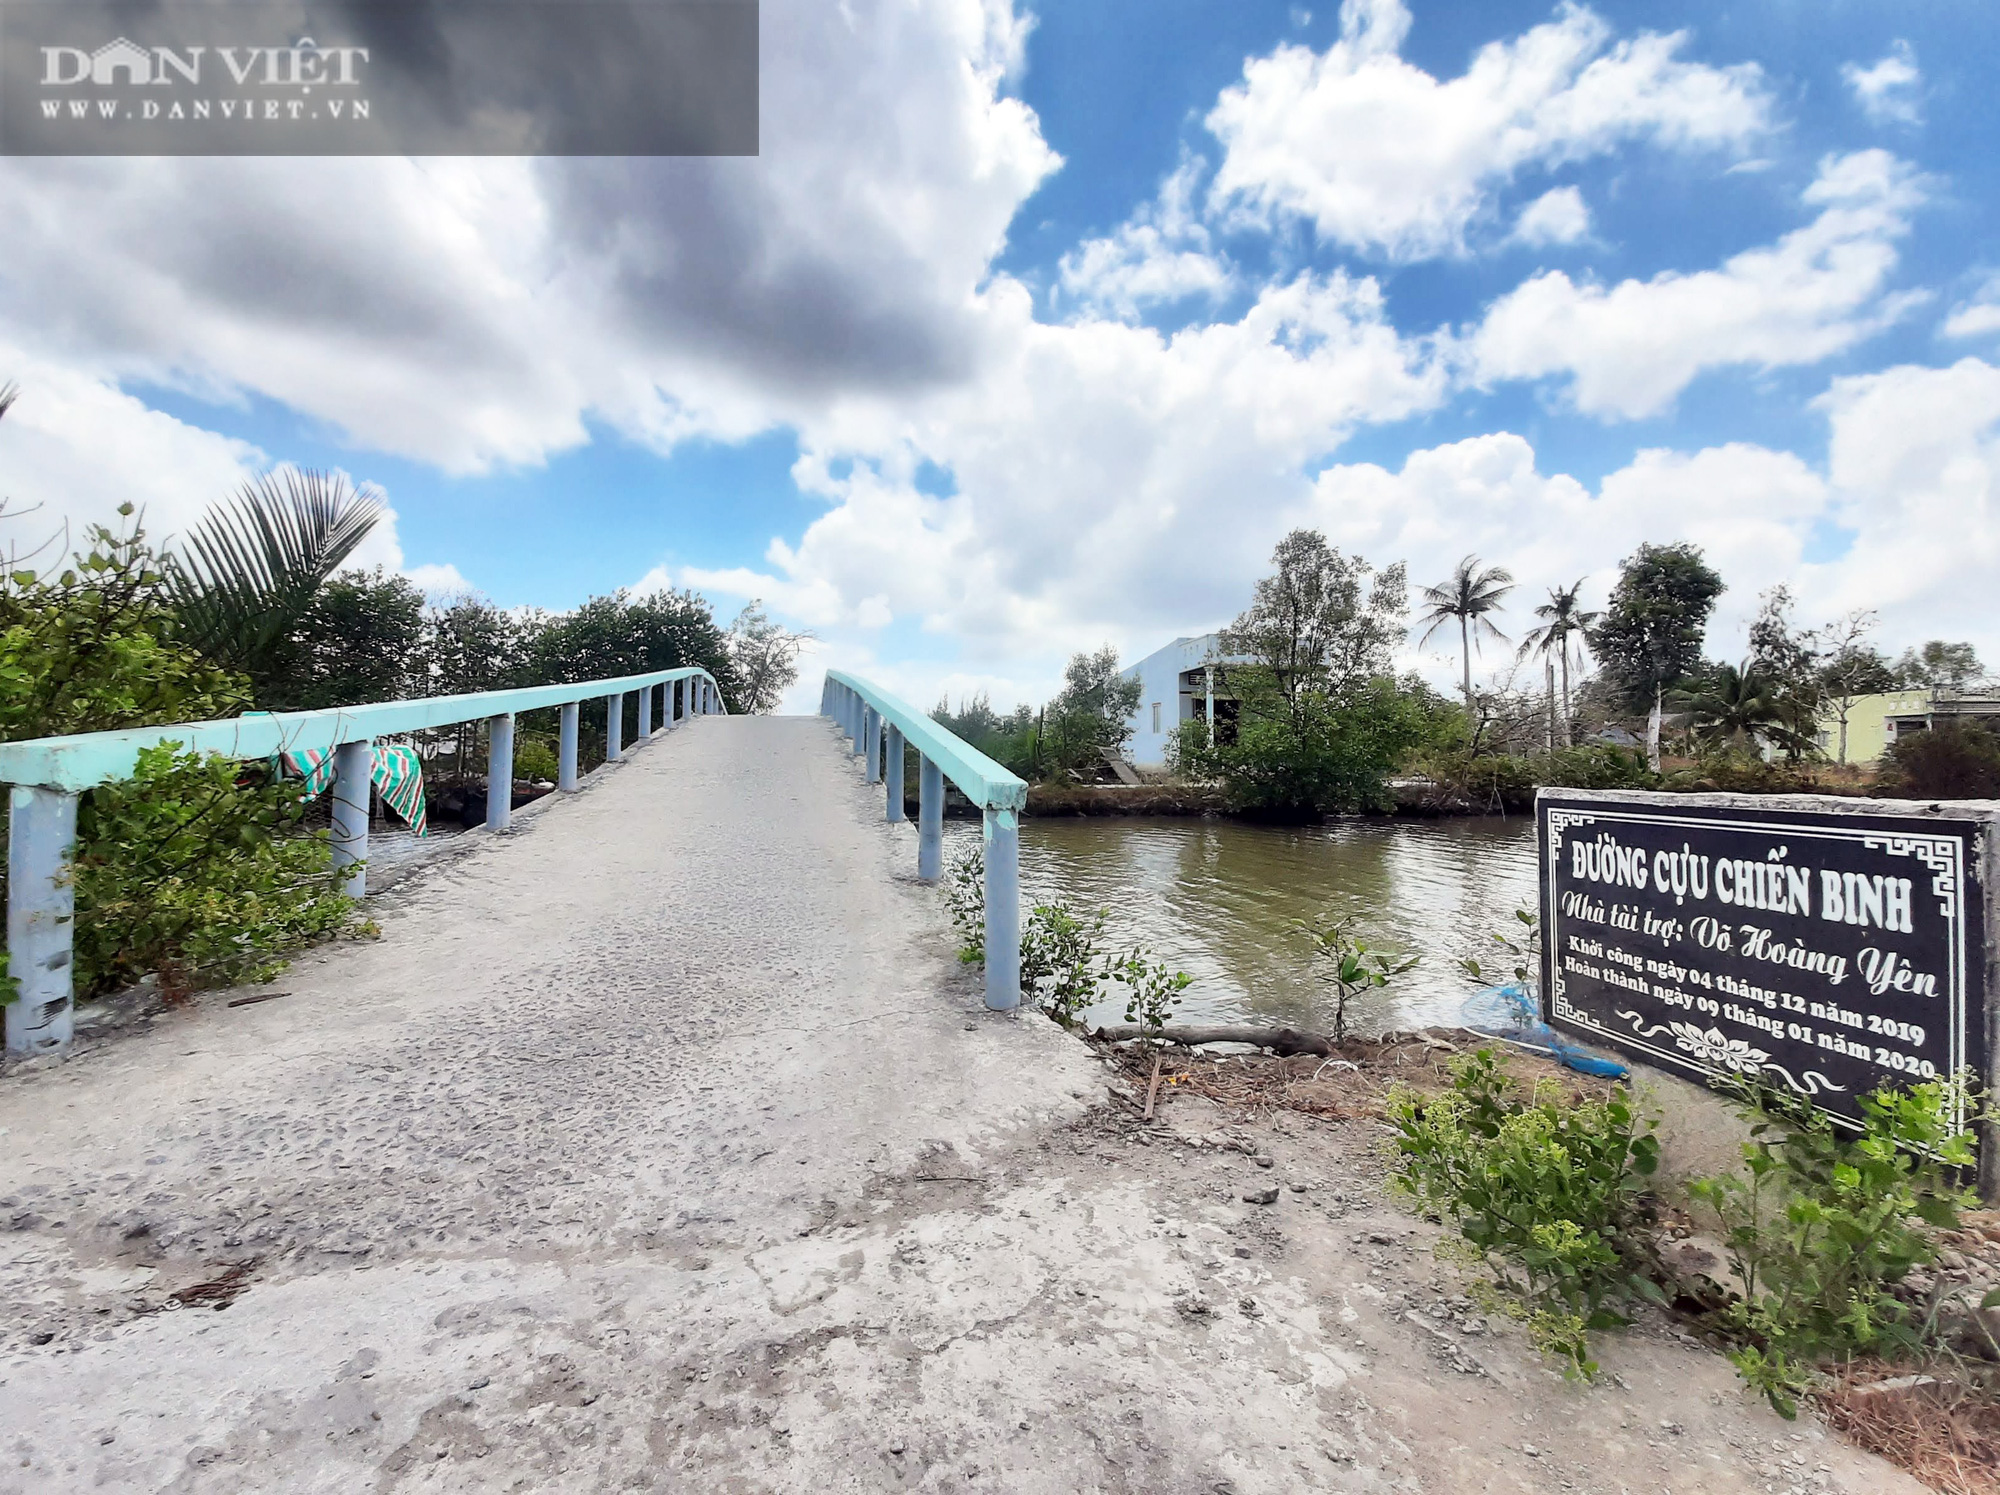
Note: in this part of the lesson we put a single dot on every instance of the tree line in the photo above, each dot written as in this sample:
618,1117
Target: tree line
205,871
1323,721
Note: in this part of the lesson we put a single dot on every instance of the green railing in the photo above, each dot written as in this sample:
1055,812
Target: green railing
880,726
47,774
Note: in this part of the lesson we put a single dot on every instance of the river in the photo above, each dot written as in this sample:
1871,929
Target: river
1220,899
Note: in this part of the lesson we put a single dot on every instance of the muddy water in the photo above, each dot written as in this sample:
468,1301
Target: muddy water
1219,899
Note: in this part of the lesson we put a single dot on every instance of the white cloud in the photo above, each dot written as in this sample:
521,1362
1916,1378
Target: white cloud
475,312
1915,457
73,449
1558,216
1749,508
1112,482
1630,349
1978,315
1162,254
1379,155
1913,473
1889,91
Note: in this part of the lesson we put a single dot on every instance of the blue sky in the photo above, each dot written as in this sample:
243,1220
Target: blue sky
1035,329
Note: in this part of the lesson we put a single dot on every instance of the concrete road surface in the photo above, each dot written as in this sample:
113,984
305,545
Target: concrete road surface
661,1144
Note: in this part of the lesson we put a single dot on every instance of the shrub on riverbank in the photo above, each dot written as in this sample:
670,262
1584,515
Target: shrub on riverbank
1508,781
193,868
1544,1192
1323,752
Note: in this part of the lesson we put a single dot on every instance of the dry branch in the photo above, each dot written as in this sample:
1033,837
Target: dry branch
1286,1041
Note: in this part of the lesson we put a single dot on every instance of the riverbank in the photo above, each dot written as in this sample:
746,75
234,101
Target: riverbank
1937,1418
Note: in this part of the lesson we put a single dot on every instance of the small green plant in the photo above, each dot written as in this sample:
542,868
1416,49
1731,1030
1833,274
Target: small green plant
1059,960
1822,1225
1346,967
535,760
1524,952
1151,991
1541,1190
198,871
965,901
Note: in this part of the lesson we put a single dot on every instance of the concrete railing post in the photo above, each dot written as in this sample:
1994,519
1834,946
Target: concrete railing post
41,918
353,770
1002,838
614,727
871,728
566,748
645,714
500,771
892,772
930,820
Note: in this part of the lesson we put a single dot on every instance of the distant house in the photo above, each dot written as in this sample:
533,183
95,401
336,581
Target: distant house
1178,684
1874,723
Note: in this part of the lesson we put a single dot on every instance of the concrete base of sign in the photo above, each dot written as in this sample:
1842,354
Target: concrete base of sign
1772,864
1700,1133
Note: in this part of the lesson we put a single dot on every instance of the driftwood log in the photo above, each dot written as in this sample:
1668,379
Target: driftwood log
1286,1041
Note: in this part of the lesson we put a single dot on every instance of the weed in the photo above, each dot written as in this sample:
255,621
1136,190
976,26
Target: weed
1152,992
1346,967
1541,1191
1823,1225
1059,960
965,901
1524,951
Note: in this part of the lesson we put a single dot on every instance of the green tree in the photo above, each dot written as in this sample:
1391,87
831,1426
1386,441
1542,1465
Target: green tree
470,645
250,572
195,868
766,656
1851,667
1013,741
360,641
97,646
1330,754
1468,597
1564,624
1649,636
1737,708
1092,712
1321,622
1940,666
626,635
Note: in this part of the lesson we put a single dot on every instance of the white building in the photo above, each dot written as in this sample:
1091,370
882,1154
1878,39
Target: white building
1177,685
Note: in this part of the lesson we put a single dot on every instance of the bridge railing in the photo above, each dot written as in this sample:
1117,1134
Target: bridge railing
881,726
46,775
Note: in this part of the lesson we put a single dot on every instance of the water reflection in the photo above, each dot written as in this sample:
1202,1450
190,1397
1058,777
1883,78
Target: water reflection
1219,899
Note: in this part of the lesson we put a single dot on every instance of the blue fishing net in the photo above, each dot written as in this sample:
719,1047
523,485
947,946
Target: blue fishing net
1512,1013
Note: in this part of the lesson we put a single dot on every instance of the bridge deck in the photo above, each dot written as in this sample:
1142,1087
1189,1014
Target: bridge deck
658,1144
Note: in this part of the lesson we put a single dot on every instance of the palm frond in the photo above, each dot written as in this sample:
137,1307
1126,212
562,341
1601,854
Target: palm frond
248,573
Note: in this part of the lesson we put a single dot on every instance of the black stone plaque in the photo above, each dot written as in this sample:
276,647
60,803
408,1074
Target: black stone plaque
1824,951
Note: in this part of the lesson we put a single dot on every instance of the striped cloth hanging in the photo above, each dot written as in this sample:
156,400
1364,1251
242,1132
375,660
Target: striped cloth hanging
399,774
396,769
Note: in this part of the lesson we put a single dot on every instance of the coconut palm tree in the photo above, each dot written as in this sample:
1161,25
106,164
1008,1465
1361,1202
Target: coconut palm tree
1562,620
247,574
1738,707
1468,596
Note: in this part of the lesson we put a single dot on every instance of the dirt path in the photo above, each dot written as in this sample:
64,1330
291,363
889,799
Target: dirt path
661,1146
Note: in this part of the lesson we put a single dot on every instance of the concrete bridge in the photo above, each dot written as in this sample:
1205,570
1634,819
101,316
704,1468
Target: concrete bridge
661,1143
